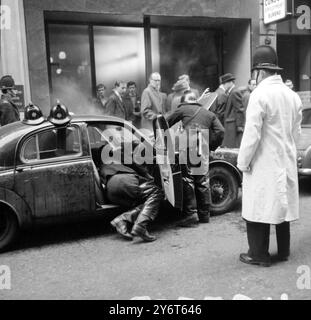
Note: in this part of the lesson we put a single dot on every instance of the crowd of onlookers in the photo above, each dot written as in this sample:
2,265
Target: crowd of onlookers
230,106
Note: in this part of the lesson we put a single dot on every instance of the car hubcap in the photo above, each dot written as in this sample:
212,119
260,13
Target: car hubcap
219,190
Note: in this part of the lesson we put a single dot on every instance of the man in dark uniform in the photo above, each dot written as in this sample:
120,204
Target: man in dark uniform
8,110
197,196
132,187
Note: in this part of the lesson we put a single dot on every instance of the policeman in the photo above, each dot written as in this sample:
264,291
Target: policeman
197,196
8,110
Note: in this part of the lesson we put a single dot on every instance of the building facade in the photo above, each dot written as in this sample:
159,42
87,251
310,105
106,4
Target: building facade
70,46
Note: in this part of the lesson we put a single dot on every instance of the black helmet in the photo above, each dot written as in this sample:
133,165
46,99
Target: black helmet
189,97
265,57
59,115
33,115
7,82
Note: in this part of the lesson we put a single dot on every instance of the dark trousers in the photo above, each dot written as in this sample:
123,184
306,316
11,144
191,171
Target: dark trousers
258,235
141,216
196,192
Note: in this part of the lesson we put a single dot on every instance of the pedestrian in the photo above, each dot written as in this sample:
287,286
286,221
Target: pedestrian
234,118
8,109
173,99
153,101
132,102
289,83
101,99
226,85
197,194
251,86
115,104
268,160
186,78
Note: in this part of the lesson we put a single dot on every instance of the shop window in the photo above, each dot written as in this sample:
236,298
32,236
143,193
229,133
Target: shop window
185,51
119,55
70,69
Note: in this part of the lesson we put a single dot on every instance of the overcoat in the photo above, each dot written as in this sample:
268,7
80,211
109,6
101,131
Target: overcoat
153,103
234,119
268,154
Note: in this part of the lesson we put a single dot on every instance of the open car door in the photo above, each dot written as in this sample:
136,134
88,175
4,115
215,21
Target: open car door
208,101
170,171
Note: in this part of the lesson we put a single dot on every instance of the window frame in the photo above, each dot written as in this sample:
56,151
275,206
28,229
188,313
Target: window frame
54,159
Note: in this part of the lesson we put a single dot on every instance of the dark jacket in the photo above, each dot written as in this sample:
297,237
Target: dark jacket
8,111
133,111
115,107
205,119
234,119
219,106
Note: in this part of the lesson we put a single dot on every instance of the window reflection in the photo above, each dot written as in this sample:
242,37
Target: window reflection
119,55
70,66
183,51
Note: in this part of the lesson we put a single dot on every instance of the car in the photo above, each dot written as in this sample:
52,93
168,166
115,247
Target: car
49,171
304,145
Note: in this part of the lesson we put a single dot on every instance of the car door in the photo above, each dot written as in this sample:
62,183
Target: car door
170,171
54,173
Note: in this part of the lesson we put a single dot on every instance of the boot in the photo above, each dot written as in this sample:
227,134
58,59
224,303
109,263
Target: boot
143,233
153,197
121,228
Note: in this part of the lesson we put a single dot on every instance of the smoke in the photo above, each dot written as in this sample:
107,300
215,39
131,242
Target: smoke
77,98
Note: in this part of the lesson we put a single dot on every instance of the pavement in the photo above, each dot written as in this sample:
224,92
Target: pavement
90,261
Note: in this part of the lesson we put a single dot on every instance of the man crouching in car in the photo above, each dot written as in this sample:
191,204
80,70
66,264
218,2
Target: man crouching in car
196,121
131,186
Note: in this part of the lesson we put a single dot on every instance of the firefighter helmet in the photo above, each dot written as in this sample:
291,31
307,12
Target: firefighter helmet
189,97
59,115
265,57
7,82
33,115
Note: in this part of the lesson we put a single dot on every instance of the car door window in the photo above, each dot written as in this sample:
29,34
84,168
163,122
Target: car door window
53,143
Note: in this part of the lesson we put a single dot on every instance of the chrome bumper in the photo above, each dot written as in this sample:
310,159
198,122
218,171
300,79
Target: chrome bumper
304,172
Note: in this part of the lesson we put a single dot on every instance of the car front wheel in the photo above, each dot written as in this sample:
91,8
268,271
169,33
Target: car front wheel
224,189
8,228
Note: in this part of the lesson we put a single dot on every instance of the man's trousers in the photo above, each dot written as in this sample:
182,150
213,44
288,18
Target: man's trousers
258,235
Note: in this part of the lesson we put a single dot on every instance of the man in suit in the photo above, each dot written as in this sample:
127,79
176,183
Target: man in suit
153,101
8,110
115,104
234,118
226,85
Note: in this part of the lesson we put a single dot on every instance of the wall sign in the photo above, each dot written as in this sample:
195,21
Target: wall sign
274,10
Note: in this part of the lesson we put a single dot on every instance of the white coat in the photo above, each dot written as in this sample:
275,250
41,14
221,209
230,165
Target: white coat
268,154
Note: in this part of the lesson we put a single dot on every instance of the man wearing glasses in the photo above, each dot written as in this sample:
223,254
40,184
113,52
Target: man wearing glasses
153,101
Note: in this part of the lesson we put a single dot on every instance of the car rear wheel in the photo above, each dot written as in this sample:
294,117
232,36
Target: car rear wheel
8,228
224,190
